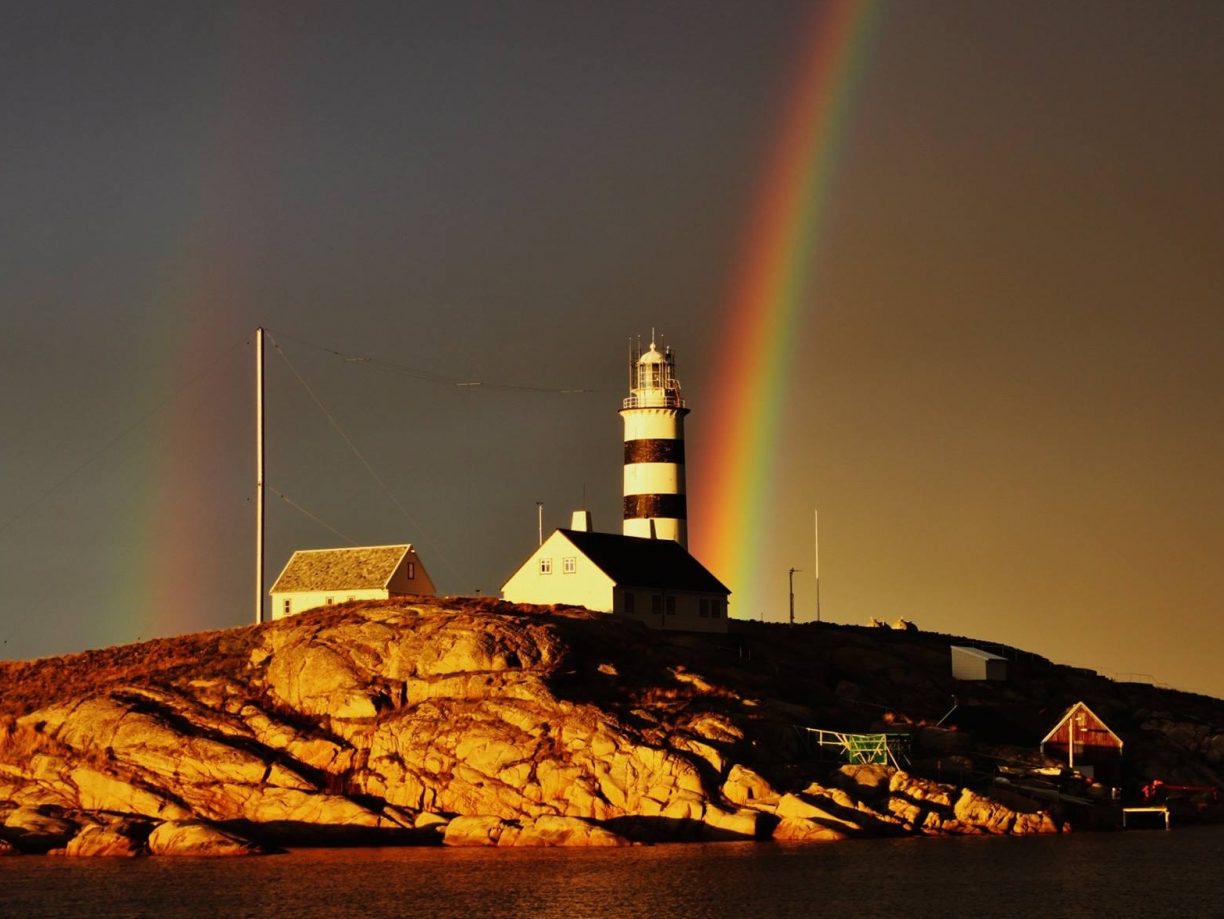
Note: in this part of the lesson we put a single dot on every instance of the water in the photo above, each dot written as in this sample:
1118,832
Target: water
1153,874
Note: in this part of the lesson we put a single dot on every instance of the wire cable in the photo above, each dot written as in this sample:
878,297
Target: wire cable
429,376
356,452
313,516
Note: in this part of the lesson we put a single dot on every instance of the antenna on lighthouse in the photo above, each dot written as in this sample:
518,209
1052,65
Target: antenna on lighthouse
259,475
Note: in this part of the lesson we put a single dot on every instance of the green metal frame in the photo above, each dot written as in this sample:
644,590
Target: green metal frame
865,749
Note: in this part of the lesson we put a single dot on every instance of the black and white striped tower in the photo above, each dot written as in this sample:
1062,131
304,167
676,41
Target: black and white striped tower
654,448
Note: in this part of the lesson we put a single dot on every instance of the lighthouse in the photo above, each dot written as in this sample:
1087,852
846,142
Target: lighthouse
654,448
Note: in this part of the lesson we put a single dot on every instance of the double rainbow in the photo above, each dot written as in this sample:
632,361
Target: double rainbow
772,288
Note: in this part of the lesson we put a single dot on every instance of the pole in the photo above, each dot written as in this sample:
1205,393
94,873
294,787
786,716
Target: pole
1071,743
540,522
816,545
259,475
791,577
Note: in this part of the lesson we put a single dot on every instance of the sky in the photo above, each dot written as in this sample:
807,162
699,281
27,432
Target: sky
1000,385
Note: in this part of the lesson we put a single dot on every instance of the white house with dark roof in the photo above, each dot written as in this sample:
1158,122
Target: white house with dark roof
320,577
655,581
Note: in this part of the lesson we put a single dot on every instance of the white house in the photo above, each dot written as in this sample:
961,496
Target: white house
320,577
655,581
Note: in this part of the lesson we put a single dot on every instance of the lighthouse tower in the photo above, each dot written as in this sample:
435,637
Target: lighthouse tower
654,448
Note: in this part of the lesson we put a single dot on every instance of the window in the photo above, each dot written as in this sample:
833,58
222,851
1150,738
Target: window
288,607
671,606
351,599
630,602
569,565
412,571
656,604
546,566
330,600
703,608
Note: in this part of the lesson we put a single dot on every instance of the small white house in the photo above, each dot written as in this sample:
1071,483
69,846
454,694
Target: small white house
321,577
655,581
976,664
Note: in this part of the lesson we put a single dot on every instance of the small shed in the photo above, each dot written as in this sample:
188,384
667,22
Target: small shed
1086,744
321,577
975,664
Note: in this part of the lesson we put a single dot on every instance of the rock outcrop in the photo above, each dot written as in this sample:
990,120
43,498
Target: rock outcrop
195,837
456,722
120,838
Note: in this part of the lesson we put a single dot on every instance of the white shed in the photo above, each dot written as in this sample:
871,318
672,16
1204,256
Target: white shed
320,577
976,664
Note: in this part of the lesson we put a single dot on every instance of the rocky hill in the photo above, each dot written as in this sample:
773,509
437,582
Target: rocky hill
471,721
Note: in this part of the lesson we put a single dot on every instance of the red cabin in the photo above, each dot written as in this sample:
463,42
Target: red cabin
1086,744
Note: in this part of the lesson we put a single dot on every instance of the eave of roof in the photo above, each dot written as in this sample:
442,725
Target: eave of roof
1069,712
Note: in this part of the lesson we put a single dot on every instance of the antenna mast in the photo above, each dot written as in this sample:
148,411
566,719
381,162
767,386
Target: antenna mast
816,546
259,475
790,575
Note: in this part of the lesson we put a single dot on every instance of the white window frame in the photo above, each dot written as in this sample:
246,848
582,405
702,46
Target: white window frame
569,564
546,566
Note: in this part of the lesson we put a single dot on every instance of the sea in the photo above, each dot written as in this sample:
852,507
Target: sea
1147,873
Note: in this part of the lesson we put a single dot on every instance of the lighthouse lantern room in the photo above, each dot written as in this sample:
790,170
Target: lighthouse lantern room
654,448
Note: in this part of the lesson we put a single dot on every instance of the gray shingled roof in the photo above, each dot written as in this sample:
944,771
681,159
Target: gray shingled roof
634,561
359,568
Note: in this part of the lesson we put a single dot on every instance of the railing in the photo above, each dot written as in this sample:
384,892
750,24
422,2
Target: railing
668,399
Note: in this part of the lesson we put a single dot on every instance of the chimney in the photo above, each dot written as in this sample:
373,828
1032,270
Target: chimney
581,521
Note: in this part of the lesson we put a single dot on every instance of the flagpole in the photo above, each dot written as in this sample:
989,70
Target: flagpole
259,475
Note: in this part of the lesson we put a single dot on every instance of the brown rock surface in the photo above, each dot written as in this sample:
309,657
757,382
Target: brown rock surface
552,830
800,829
385,722
121,839
195,837
743,786
477,831
35,829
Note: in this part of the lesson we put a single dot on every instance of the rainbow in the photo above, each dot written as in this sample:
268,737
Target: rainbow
170,567
771,290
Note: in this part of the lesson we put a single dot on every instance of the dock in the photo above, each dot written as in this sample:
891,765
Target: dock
1128,812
